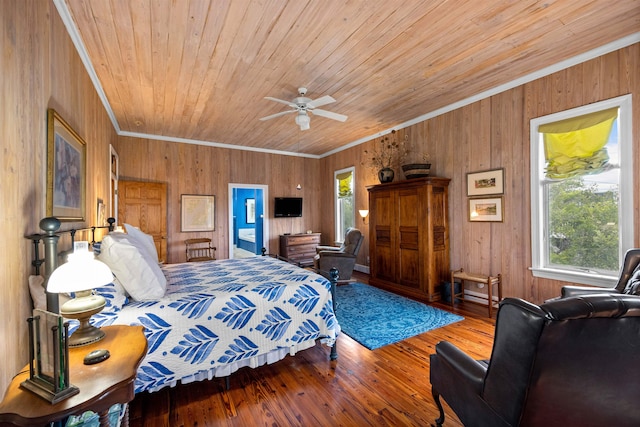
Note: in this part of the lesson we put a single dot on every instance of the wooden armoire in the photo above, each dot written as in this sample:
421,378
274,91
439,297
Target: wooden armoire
409,236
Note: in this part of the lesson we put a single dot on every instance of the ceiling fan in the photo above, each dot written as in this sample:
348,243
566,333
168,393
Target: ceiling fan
303,105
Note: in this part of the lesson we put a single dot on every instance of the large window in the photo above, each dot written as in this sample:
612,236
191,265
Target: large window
582,192
345,201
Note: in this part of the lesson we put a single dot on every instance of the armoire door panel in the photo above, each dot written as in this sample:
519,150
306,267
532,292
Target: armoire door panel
439,238
438,205
384,262
382,235
409,271
408,209
409,238
383,208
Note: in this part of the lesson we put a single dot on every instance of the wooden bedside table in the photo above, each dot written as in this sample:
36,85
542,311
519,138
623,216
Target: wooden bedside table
101,385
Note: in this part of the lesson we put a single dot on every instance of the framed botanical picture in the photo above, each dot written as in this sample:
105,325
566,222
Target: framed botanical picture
251,211
66,170
485,183
198,213
483,210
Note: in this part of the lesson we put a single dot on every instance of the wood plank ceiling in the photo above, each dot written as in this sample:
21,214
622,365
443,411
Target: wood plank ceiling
200,69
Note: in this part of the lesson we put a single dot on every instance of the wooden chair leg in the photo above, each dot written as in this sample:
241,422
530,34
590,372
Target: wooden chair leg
436,397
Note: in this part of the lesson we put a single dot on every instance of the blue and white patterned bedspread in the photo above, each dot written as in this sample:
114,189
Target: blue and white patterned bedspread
219,316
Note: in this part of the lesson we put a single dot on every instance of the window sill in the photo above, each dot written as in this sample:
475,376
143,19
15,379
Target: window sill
592,279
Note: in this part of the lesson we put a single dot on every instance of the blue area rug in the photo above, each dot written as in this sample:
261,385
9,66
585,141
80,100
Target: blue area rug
375,318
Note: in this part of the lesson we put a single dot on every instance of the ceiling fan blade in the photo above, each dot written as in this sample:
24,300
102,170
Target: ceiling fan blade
324,100
282,113
282,101
329,114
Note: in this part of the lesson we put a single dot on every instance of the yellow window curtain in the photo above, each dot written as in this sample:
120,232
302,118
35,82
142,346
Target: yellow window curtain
344,184
576,146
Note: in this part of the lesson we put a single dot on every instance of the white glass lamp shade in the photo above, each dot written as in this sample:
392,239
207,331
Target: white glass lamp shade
81,274
302,120
364,213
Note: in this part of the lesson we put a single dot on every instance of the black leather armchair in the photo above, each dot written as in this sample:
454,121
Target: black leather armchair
569,362
343,258
628,283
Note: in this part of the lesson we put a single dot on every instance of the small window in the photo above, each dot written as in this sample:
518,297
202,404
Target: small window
345,201
582,192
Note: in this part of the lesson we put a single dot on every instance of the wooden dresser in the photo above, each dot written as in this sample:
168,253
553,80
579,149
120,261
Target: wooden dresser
409,236
299,248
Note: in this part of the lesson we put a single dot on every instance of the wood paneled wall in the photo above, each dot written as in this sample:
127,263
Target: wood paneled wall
494,133
40,69
197,169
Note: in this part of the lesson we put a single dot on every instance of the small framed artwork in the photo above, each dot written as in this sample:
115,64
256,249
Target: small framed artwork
198,213
485,183
251,211
66,170
486,210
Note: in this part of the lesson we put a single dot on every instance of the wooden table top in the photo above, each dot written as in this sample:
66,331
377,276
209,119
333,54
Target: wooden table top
101,385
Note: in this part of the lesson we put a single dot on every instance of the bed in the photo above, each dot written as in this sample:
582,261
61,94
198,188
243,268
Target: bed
209,319
247,239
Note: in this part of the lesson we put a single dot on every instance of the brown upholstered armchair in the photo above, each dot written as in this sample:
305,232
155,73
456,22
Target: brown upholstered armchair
343,258
569,362
628,283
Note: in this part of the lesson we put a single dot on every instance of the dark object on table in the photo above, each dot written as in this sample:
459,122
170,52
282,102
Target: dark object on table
96,356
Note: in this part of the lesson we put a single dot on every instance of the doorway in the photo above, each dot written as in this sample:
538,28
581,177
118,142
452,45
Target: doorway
248,223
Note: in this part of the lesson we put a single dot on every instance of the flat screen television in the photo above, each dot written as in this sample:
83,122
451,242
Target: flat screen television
287,207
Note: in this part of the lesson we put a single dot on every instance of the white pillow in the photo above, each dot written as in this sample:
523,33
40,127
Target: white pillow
146,240
134,268
39,294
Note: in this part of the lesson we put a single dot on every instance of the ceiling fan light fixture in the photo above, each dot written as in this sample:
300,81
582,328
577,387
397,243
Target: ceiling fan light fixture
303,106
302,120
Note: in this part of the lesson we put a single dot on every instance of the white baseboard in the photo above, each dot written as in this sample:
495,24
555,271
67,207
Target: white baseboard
478,297
362,268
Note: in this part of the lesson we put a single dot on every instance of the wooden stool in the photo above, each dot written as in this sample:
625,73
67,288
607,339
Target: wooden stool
489,281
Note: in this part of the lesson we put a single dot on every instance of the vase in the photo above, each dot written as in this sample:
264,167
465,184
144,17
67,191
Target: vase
385,175
416,170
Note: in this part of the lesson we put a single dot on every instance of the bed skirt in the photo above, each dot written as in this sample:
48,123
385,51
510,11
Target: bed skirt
253,362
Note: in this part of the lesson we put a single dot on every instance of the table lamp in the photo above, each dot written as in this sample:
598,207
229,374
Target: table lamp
81,274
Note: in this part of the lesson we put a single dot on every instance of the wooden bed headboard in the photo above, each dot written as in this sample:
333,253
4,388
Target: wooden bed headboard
49,238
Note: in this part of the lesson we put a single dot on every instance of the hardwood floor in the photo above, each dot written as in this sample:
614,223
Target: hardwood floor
385,387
